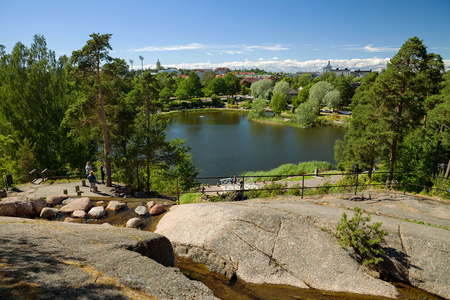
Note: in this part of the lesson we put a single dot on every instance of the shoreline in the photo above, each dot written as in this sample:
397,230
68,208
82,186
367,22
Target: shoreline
271,121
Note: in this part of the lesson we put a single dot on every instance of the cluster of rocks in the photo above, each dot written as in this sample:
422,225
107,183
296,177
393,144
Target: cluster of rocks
78,208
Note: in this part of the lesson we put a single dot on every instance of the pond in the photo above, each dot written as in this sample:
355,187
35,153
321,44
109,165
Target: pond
226,143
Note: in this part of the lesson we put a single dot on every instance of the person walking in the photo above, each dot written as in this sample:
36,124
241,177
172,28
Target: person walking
92,181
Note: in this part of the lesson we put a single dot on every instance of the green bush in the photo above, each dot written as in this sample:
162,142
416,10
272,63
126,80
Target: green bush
365,239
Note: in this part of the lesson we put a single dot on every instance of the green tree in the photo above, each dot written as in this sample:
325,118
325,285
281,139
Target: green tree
399,93
233,84
366,240
282,87
193,85
318,91
207,78
182,91
260,88
306,113
33,93
303,96
278,103
166,93
332,99
304,80
363,141
89,60
343,85
217,86
258,108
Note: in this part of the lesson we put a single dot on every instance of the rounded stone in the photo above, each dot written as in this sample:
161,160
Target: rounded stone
134,223
97,212
48,212
141,210
157,209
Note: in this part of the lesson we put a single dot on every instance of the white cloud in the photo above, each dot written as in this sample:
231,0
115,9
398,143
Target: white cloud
275,58
369,48
209,53
193,46
289,65
221,49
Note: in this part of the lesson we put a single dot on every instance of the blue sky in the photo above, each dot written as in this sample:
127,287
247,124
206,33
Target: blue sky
287,36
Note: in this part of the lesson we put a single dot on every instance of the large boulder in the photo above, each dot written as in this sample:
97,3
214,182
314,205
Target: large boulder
115,205
56,199
157,209
48,212
97,212
89,261
21,206
141,210
77,204
134,223
79,214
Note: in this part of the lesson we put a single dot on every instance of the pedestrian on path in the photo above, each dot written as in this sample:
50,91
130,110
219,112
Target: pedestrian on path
92,181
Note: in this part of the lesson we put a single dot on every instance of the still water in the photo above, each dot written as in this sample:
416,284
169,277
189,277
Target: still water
226,143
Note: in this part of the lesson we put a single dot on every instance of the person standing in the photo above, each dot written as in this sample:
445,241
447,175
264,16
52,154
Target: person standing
88,168
103,172
92,181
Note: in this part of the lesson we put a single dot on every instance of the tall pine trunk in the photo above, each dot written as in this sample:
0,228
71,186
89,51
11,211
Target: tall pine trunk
105,132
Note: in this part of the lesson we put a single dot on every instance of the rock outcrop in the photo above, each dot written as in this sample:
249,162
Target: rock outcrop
76,261
292,243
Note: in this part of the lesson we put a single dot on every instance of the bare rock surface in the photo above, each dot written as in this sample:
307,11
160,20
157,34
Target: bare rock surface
291,242
77,204
57,260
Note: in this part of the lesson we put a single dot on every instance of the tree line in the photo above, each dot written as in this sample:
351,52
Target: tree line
400,116
58,113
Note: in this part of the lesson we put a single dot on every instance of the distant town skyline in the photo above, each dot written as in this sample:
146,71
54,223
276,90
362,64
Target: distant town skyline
277,36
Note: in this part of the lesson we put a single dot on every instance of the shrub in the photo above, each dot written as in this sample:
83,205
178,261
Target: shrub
365,239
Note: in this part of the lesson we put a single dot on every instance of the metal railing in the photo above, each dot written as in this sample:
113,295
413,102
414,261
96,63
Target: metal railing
240,184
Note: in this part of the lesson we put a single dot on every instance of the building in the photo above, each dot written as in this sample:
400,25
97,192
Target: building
345,71
201,72
221,71
338,71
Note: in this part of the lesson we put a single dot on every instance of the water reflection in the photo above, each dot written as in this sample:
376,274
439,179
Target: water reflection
226,143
